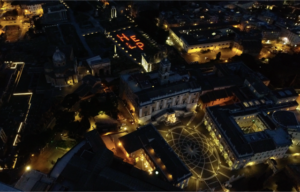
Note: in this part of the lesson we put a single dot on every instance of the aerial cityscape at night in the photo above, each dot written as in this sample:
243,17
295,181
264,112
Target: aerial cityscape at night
108,95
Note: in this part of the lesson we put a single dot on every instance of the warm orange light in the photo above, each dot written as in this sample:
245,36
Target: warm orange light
140,45
133,37
123,37
130,47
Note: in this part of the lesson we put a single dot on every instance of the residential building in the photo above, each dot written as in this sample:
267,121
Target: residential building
146,145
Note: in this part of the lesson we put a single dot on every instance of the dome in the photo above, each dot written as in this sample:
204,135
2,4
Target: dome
59,58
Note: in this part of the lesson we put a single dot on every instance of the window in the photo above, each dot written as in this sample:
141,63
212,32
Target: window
152,109
146,113
193,101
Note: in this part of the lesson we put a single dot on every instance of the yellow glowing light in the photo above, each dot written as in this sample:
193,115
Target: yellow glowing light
250,163
28,168
32,155
120,144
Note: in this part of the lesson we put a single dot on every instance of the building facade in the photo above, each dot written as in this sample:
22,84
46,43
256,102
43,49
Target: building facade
205,37
156,155
248,131
62,70
148,94
31,7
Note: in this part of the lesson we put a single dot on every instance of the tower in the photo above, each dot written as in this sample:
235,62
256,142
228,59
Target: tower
115,50
164,71
113,13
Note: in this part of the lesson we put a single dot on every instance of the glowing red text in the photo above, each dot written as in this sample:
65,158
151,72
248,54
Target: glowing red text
136,42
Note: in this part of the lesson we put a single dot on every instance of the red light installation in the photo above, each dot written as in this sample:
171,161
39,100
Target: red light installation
137,42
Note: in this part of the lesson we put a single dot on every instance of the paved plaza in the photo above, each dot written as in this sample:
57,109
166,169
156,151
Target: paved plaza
192,144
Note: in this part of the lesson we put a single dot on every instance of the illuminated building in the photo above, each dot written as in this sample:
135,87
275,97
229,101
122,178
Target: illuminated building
204,37
135,44
149,94
113,12
32,7
147,144
90,166
248,132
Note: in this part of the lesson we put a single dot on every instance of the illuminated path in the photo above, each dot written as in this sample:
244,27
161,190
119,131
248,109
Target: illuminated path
196,151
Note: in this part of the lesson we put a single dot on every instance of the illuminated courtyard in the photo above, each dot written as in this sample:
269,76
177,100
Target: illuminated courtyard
197,151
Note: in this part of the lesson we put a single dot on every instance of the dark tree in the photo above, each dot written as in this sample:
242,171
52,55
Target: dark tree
249,60
218,56
70,100
5,177
63,119
84,124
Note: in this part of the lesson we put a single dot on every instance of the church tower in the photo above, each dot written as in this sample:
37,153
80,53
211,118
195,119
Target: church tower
164,71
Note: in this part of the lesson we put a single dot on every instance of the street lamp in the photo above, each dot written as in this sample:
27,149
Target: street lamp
28,168
156,172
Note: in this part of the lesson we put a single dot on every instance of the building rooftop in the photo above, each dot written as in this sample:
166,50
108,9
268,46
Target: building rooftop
208,36
147,86
149,139
90,166
5,187
284,93
179,30
247,144
285,118
33,181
